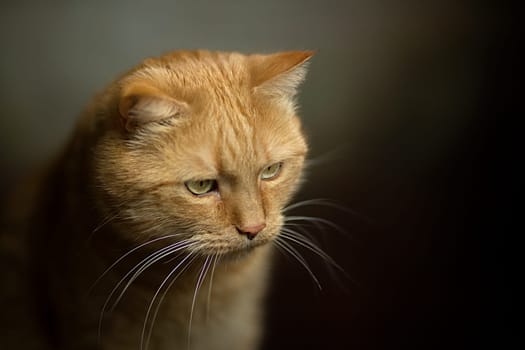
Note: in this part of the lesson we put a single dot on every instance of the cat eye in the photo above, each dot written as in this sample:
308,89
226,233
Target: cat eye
271,171
200,187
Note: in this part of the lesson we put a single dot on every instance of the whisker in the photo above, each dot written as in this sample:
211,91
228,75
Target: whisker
202,275
325,202
306,243
295,237
208,301
160,223
298,257
136,271
104,222
301,227
314,219
110,217
315,201
157,308
124,256
149,261
153,302
326,157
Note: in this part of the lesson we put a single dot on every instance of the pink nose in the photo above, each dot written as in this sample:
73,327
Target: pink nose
251,231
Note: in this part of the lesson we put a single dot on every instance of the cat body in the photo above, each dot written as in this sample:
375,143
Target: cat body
152,230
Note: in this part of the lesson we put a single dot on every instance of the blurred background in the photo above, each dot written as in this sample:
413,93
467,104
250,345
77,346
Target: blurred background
401,108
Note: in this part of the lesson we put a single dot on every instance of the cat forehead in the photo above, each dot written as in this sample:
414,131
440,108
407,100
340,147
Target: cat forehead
220,70
232,145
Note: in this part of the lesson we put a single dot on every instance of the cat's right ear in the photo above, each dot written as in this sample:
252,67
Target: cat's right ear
279,74
141,104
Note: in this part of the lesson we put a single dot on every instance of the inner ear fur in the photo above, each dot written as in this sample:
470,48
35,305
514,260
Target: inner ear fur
279,74
141,103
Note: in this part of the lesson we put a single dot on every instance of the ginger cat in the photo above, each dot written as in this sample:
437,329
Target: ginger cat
152,229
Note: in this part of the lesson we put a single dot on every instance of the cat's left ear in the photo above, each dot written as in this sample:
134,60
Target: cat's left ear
279,74
141,103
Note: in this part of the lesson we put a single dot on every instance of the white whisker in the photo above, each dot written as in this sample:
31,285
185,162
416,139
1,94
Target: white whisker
329,156
202,275
127,254
301,228
299,239
136,271
157,308
298,257
147,262
106,221
295,237
153,302
208,301
316,201
324,202
314,219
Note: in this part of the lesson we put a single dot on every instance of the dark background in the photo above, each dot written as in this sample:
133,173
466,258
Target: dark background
404,107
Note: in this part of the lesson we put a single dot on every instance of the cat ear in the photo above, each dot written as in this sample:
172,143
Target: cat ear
141,104
279,74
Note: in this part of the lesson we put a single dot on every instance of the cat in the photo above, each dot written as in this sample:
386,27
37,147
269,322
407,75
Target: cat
152,229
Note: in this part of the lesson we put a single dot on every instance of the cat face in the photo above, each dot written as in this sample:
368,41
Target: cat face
208,149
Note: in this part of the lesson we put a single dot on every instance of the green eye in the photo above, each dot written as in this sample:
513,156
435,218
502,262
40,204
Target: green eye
271,171
199,187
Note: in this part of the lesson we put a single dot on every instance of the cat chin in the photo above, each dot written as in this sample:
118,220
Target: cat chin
240,255
236,253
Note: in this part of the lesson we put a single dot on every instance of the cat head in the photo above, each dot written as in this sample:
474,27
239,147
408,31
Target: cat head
205,146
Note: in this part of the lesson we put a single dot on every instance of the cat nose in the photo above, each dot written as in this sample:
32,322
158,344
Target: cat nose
251,231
